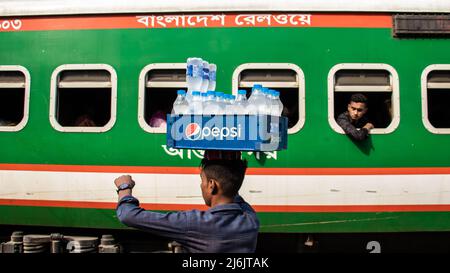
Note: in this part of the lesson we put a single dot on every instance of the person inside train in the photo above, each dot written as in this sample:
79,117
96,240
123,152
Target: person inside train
85,120
389,110
229,225
5,122
158,119
354,121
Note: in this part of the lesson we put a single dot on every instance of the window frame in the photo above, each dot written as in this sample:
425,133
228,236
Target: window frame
301,86
26,106
142,87
424,93
365,66
53,89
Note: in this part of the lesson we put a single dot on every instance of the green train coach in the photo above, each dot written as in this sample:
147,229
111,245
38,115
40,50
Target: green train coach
121,64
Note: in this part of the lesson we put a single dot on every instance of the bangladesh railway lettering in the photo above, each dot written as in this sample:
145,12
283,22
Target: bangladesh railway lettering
225,20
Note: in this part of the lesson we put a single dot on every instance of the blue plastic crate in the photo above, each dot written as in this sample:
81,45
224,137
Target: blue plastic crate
227,132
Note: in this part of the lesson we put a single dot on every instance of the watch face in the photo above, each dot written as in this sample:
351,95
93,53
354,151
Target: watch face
124,186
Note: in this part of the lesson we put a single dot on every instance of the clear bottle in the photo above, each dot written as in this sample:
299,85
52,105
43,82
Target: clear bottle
212,77
229,104
267,102
241,103
233,104
180,106
194,73
210,106
203,95
272,103
279,109
195,105
257,102
220,103
205,77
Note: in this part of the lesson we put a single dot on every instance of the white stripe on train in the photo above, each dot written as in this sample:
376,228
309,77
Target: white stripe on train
257,189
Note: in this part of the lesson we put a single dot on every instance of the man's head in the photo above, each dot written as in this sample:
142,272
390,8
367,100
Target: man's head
221,178
357,106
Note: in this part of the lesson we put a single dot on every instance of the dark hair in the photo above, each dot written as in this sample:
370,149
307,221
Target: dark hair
359,98
229,173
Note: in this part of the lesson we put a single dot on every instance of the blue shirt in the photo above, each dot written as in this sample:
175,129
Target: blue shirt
224,228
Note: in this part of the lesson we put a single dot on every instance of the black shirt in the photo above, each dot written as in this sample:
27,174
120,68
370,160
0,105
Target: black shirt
354,130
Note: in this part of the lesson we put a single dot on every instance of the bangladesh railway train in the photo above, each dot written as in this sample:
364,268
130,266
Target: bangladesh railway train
80,83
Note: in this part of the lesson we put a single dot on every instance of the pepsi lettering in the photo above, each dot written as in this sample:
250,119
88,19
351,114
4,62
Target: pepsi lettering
194,131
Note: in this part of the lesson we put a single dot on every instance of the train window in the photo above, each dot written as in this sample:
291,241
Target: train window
14,97
83,98
286,78
378,82
436,98
158,85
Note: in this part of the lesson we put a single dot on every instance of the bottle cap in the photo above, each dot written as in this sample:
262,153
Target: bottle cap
195,93
181,92
242,92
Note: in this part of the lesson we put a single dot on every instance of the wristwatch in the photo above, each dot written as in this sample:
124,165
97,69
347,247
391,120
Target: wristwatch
124,186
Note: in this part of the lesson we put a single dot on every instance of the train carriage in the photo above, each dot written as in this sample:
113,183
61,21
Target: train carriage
117,65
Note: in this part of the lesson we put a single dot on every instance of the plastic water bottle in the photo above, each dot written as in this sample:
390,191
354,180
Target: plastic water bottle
241,103
180,106
210,106
212,77
195,105
220,103
205,77
256,102
233,104
273,105
203,95
193,76
229,104
267,102
277,99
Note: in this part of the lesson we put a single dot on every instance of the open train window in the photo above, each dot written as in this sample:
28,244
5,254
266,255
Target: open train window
436,98
378,82
286,78
83,98
14,97
158,85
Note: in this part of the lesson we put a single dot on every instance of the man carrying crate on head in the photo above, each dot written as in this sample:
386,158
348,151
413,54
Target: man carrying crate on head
229,225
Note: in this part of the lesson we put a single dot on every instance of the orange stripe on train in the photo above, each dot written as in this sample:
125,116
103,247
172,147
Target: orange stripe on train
250,171
258,208
216,20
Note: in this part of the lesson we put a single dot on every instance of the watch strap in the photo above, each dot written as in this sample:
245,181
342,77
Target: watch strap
124,186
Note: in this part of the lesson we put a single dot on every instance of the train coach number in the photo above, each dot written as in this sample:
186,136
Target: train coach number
373,247
10,24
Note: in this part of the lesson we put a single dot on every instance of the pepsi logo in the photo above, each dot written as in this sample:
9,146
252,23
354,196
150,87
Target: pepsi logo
193,131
